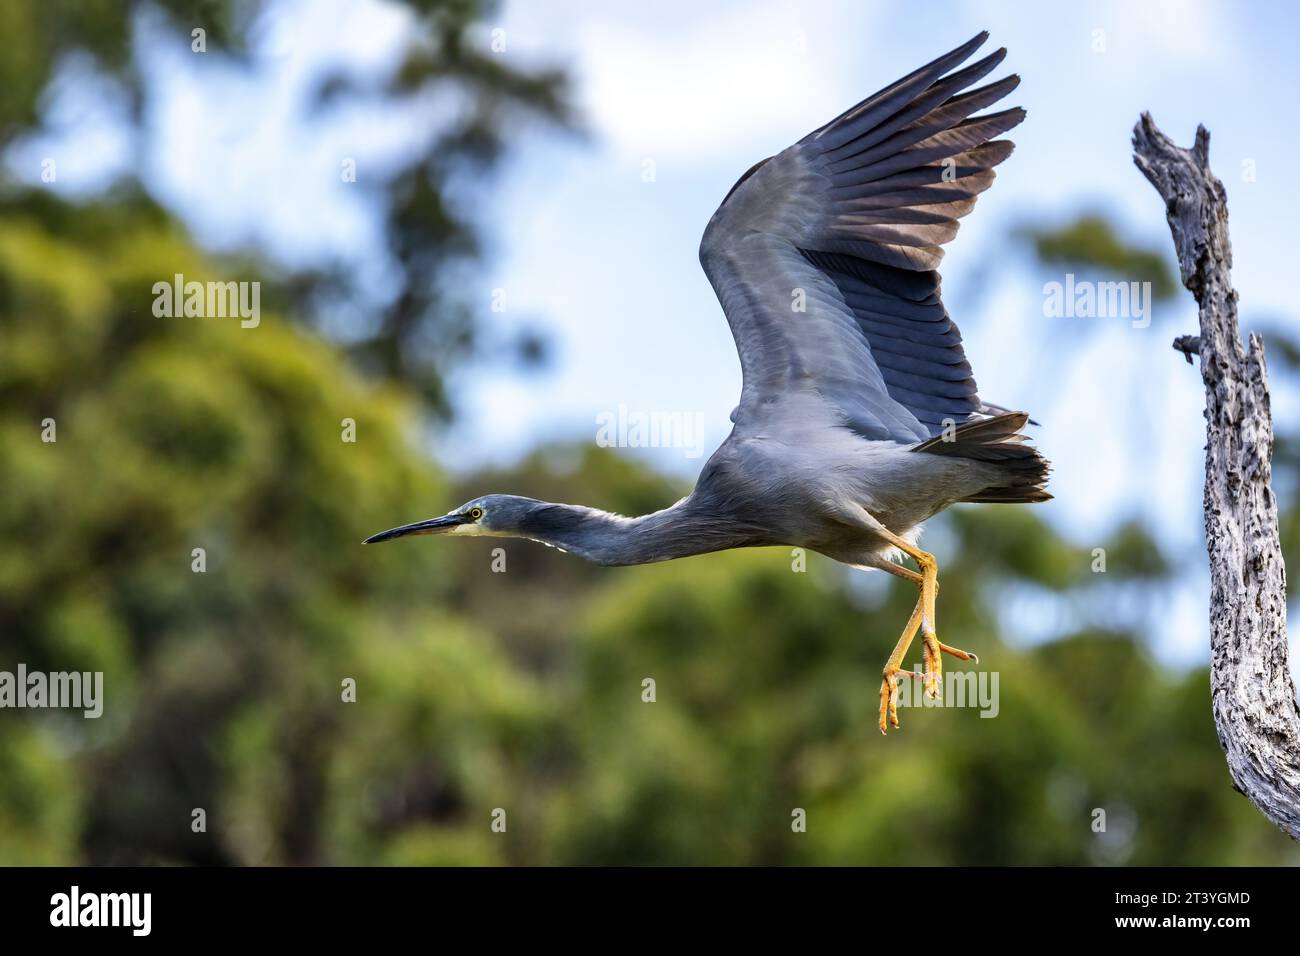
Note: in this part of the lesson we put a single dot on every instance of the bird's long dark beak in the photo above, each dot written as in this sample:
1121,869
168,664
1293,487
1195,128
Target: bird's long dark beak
432,526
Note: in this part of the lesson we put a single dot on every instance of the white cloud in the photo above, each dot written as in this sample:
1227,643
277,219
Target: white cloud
732,77
1186,30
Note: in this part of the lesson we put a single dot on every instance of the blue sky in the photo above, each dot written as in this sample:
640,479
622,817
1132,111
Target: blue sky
606,263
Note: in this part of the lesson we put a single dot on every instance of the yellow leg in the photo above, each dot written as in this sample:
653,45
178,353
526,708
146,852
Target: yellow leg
923,619
893,671
906,574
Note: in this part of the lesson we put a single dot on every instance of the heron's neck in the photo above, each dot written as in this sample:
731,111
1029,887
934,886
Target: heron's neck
604,538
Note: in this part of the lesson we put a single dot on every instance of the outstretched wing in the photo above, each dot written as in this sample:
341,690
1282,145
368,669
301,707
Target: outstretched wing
824,257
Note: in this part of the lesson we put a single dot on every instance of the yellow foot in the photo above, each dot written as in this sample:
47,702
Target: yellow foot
931,678
923,620
932,652
889,695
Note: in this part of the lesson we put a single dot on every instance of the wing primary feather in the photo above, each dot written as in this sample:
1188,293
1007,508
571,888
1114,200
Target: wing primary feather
882,104
852,220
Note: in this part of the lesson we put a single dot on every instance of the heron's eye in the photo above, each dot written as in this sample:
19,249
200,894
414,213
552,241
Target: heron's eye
475,513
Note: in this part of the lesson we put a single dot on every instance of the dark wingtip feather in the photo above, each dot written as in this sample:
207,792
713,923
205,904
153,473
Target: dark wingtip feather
881,104
998,151
965,49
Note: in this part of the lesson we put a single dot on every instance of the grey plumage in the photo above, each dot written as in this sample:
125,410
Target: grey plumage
859,417
854,215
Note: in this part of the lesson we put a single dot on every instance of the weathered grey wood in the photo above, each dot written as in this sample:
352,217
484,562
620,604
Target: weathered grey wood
1253,697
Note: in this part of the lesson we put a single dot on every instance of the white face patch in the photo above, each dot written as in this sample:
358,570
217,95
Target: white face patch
476,530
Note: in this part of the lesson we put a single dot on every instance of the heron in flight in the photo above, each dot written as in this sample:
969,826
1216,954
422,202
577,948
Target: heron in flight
858,416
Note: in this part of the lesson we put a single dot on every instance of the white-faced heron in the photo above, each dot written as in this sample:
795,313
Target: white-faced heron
858,416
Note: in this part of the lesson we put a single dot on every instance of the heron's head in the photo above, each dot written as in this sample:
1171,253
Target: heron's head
501,515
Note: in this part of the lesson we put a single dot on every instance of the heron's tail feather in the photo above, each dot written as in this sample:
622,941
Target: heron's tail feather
998,441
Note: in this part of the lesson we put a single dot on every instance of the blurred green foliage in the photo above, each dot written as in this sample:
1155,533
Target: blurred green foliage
1090,243
427,200
478,690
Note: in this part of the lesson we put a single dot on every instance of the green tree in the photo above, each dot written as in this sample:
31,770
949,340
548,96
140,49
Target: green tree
223,686
424,199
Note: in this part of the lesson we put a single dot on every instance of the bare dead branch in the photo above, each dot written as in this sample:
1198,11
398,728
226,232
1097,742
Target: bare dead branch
1253,697
1189,345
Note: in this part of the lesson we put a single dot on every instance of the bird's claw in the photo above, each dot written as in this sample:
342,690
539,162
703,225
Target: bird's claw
930,653
933,651
931,677
889,695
